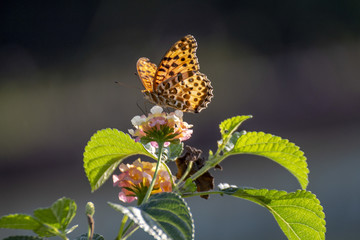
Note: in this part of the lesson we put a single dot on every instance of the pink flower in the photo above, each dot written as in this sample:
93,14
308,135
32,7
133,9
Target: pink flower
160,127
136,178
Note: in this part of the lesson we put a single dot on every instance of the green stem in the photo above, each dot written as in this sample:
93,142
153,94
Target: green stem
130,231
169,172
215,160
91,226
121,230
131,223
188,169
201,193
63,236
89,233
161,147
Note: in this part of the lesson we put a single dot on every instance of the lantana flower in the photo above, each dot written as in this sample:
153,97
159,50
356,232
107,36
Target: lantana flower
159,126
135,180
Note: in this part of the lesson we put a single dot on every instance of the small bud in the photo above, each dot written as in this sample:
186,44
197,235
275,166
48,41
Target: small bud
90,209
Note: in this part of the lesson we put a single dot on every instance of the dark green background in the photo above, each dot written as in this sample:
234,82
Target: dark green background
293,65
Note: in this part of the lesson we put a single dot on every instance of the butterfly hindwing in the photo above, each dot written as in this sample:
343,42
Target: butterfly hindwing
189,91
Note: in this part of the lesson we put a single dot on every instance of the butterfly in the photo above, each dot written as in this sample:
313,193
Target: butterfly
176,82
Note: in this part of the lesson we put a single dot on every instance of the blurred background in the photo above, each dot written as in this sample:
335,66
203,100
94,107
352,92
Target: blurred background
293,65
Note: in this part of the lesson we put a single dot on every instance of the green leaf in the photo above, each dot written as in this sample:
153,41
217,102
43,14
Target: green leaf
56,218
19,221
189,186
24,238
228,126
280,150
59,215
164,216
299,214
173,151
46,222
105,151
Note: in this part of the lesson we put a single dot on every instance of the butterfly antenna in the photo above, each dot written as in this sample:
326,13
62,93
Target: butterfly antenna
137,104
127,85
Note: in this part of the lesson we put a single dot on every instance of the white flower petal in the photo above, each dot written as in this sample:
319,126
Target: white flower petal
156,110
137,120
179,113
173,117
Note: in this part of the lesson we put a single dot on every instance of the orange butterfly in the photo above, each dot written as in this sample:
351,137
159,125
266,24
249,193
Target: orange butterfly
177,82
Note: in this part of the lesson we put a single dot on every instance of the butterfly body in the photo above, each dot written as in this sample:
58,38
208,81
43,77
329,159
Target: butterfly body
177,82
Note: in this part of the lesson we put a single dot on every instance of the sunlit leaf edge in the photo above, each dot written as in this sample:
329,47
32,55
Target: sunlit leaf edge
301,199
106,149
19,221
280,150
228,126
142,216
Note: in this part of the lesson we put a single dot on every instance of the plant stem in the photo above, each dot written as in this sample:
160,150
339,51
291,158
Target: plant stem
161,147
169,172
201,193
121,230
188,169
130,231
215,160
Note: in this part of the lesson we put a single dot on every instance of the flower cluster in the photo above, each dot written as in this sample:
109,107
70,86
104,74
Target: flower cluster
135,179
159,126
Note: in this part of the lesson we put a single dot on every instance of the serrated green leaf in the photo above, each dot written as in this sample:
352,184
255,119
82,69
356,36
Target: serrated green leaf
173,151
189,186
24,238
56,218
228,126
59,215
299,214
163,216
280,150
46,222
105,151
19,221
85,237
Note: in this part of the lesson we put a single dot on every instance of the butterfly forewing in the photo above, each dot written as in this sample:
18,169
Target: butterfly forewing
180,58
146,71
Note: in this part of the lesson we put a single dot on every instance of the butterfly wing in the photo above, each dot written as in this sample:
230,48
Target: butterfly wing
189,91
177,82
179,59
146,71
